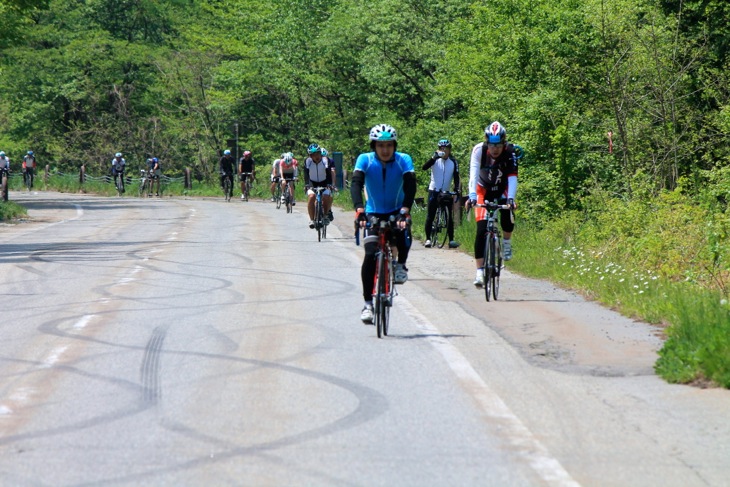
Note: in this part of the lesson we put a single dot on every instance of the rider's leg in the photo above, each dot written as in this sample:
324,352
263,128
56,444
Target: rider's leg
310,205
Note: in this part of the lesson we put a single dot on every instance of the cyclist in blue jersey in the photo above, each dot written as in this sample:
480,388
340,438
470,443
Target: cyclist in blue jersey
389,179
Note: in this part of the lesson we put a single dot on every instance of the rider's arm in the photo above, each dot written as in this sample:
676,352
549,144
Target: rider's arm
512,187
457,177
430,162
306,174
356,187
409,189
474,166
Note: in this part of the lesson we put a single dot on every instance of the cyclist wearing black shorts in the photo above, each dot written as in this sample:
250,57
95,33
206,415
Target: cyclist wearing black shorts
319,172
444,170
389,180
118,164
29,166
226,166
154,172
246,165
492,176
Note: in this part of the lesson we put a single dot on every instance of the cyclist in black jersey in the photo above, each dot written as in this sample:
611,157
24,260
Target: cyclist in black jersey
246,165
318,173
226,166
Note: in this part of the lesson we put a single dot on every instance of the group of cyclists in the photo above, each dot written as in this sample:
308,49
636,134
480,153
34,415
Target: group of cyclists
154,172
388,178
28,167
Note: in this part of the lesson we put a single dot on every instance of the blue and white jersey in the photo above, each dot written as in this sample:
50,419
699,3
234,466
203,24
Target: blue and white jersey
384,181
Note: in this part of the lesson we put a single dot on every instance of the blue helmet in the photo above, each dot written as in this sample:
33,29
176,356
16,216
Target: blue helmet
155,160
313,149
30,152
495,133
226,152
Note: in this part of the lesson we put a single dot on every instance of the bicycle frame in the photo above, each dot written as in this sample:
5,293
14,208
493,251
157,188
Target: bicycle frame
319,213
493,257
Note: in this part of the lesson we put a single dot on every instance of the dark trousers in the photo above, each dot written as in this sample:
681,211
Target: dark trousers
433,204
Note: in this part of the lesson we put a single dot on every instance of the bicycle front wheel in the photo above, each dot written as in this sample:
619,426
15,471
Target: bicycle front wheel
497,267
443,219
277,196
379,294
489,258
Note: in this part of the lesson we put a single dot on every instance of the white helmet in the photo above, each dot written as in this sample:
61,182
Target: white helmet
383,132
118,154
288,157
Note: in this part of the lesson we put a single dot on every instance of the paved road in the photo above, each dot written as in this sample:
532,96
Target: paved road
198,342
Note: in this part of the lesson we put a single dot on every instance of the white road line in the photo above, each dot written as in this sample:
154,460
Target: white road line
55,355
525,443
81,324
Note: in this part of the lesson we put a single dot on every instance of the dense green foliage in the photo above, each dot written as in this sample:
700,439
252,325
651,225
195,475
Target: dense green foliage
178,78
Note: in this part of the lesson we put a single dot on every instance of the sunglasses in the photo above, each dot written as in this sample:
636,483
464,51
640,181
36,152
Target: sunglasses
490,145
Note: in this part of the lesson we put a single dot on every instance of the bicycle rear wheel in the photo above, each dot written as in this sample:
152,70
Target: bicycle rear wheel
247,190
142,188
277,196
443,219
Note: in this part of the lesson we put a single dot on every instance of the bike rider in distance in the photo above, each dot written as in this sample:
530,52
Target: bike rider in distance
246,165
326,158
318,173
154,173
29,166
288,170
118,164
275,176
444,170
389,179
4,163
226,166
492,176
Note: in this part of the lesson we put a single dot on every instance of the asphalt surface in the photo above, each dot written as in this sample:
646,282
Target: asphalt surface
199,342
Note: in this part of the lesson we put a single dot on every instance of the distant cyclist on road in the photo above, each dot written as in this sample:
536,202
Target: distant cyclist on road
389,179
154,171
288,171
29,166
118,164
444,170
492,177
246,165
275,177
226,167
4,162
318,173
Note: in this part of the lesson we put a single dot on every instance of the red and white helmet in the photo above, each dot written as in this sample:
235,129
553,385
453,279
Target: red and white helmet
495,133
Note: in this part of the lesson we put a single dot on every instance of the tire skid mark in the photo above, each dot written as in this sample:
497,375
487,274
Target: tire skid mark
150,369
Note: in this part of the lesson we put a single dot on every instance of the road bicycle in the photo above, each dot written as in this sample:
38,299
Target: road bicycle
319,217
493,250
227,186
145,184
4,187
119,182
277,194
440,225
289,195
247,176
29,175
384,289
